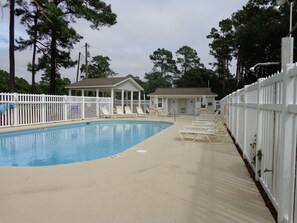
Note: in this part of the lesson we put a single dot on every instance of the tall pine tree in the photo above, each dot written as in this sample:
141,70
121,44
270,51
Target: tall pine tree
56,38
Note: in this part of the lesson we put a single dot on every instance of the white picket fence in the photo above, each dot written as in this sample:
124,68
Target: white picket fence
262,118
23,109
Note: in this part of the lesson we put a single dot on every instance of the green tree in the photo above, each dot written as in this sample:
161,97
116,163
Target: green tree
21,85
99,67
187,58
258,32
4,81
61,83
163,62
195,77
30,14
221,48
155,80
57,38
252,35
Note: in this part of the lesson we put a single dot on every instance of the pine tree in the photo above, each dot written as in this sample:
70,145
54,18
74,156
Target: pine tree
55,38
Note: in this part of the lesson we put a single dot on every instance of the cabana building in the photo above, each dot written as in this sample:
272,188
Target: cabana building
186,101
121,88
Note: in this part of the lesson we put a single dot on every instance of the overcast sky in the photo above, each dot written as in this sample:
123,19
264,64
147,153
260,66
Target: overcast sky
142,27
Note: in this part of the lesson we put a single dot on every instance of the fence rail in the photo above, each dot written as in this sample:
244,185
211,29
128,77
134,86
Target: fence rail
262,118
23,109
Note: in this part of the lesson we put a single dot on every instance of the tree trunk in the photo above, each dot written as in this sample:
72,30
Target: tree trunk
11,48
34,55
53,59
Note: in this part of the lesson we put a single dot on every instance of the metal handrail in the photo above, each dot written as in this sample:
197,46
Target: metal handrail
168,114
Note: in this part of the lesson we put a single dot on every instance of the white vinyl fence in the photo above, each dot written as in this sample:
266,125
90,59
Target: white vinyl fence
23,109
262,118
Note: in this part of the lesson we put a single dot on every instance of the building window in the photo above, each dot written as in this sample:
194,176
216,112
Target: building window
160,102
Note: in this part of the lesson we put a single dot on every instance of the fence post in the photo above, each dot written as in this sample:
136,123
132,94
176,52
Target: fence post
243,128
83,105
43,104
97,107
259,126
237,118
229,110
65,107
15,110
97,103
288,155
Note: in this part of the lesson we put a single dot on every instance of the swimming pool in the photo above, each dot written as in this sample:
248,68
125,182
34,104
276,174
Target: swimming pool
73,143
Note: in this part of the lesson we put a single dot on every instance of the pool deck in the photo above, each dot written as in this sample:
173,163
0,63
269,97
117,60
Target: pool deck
161,179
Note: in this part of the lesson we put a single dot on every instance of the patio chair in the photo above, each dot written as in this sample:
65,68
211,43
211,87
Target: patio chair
120,111
215,135
106,114
128,112
210,121
208,116
140,113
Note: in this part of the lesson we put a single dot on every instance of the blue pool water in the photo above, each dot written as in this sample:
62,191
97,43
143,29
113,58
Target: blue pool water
73,143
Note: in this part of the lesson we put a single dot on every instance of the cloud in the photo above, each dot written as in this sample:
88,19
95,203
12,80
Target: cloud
142,28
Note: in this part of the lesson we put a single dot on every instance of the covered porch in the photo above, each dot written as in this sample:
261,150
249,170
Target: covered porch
123,89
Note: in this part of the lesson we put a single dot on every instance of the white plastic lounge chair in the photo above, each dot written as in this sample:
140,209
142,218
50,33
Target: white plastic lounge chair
215,135
209,122
106,114
213,119
208,116
120,111
208,125
140,113
129,112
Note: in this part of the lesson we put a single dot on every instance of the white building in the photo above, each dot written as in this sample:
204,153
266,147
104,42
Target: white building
122,88
182,100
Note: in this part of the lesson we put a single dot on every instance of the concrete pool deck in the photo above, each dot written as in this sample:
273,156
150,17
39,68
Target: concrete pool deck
161,179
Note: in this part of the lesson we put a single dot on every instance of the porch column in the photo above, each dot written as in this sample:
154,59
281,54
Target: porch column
145,104
83,104
139,98
97,103
69,92
132,101
126,97
166,105
123,97
112,100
